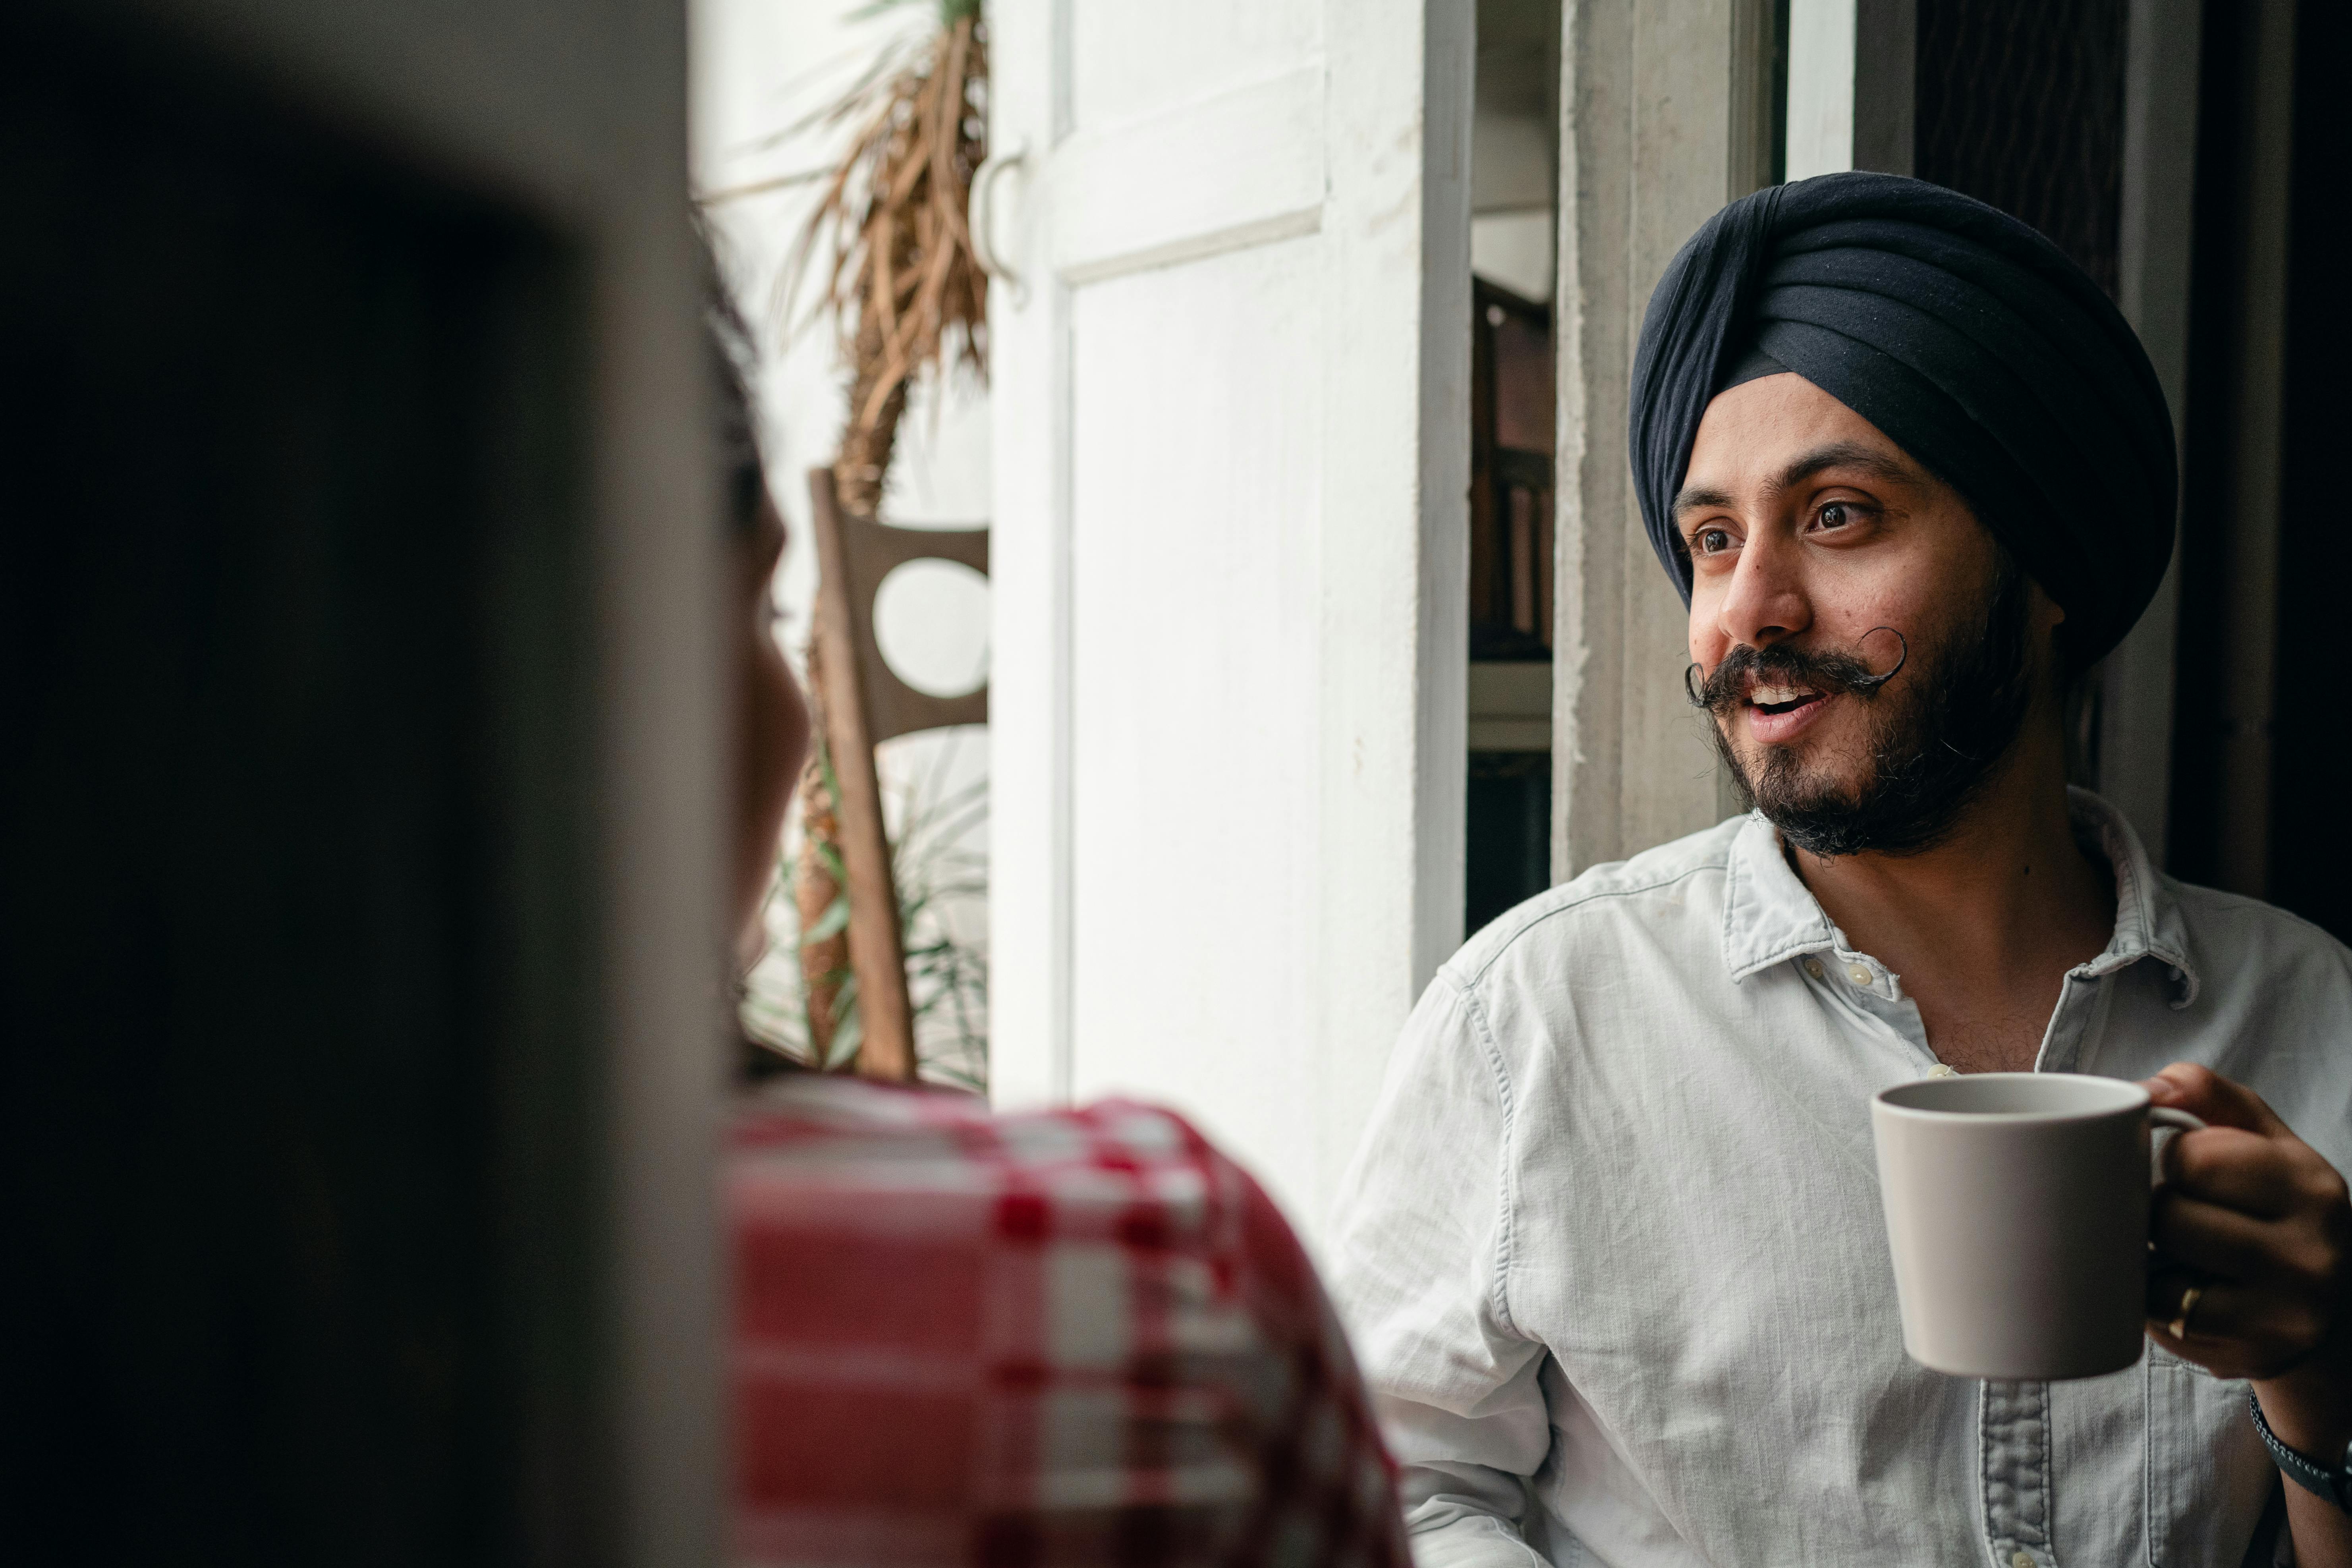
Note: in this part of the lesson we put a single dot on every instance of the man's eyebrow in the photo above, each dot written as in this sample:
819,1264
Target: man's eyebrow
1870,461
1694,497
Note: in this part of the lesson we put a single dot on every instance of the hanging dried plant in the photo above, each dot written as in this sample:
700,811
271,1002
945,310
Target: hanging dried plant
904,287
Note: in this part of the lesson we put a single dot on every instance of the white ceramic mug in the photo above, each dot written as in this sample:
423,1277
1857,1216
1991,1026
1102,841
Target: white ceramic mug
2017,1212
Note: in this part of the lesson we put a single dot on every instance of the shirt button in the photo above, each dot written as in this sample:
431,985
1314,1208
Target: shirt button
2022,1559
1943,1070
1813,967
1859,975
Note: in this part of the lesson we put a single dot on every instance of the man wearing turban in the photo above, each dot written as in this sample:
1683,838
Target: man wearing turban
1612,1248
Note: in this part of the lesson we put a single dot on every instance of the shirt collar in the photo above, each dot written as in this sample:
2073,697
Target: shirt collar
1769,913
2149,922
1769,916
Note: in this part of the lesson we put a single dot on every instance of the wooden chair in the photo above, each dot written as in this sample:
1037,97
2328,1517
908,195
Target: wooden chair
866,703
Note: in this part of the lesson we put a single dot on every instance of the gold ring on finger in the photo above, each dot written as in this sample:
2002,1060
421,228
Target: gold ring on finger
2179,1327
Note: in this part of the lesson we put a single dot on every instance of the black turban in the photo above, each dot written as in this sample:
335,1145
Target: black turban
1965,336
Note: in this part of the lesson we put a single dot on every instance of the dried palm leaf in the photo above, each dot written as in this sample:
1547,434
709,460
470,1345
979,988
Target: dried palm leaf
902,283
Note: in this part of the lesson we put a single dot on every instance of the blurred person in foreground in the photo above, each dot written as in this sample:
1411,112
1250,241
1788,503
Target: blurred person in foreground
1068,1337
1614,1249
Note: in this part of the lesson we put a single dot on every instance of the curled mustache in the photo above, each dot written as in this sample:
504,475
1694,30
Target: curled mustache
1827,670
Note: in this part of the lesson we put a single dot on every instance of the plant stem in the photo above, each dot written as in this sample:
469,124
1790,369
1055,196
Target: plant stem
825,959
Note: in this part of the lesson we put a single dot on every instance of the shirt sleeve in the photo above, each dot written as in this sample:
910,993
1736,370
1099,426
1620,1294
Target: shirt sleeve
1329,1477
1422,1246
1193,1399
1071,1337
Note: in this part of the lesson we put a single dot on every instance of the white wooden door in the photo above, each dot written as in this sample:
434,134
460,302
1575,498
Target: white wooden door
1231,429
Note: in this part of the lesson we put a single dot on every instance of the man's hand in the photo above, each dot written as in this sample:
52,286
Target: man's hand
2260,1224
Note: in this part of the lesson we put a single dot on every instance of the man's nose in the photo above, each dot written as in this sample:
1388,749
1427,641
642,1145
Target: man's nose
1767,603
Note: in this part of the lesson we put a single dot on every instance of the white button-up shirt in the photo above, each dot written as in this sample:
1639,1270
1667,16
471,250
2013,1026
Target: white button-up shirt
1615,1261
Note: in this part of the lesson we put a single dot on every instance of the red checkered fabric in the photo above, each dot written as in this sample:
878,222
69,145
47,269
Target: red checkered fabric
1067,1337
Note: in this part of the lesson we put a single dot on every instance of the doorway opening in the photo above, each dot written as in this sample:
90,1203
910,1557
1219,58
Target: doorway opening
1513,246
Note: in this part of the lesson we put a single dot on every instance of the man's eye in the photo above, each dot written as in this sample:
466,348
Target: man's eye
1710,541
1836,514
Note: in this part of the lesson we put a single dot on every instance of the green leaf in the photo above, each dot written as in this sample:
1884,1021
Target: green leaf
835,921
845,1038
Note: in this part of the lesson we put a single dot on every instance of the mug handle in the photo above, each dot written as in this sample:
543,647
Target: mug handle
2180,1121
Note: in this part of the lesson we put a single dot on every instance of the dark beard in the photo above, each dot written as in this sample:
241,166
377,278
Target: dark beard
1940,729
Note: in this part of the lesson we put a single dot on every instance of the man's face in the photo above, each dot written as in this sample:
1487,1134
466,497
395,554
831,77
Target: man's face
771,730
1822,556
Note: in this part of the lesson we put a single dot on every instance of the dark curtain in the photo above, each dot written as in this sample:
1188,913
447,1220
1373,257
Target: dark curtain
2311,832
2019,103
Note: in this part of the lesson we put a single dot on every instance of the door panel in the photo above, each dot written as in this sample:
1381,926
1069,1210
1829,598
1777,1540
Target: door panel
1229,415
1194,711
1245,167
1131,61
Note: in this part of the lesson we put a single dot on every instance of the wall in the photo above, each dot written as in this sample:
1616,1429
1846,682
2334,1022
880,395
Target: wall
1666,112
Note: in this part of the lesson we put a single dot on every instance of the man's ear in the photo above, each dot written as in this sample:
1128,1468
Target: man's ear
2047,613
2046,618
2066,677
2045,624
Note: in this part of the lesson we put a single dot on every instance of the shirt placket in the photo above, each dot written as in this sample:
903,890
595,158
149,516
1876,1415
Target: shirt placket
2014,1438
1854,980
2080,1007
2013,1418
2013,1426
